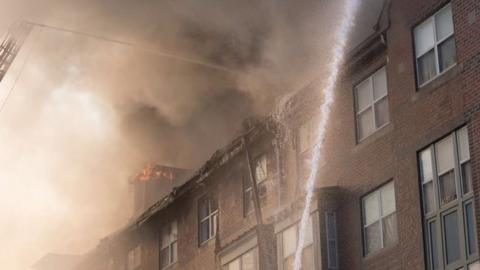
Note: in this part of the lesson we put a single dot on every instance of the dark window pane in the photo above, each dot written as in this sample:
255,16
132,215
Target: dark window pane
382,115
433,245
429,197
332,254
204,230
203,209
164,258
372,237
248,201
426,67
470,227
452,242
447,53
448,190
390,234
466,177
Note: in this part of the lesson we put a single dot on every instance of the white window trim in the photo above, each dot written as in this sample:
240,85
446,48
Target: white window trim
381,216
434,47
213,219
371,105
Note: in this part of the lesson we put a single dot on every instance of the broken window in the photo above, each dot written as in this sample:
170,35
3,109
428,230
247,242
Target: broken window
168,245
207,218
261,175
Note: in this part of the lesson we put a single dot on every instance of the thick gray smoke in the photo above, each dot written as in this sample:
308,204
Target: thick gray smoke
87,113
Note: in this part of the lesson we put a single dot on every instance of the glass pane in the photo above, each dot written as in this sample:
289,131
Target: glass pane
433,245
332,254
388,199
429,197
448,190
164,258
444,23
365,123
474,266
248,261
372,238
466,177
248,201
174,253
447,53
234,265
452,241
424,37
308,259
380,84
331,226
426,169
261,169
463,146
173,231
203,209
444,154
363,95
390,232
165,238
427,67
371,209
382,115
289,241
470,228
204,230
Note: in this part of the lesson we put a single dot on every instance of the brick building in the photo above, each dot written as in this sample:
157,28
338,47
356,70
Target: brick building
399,184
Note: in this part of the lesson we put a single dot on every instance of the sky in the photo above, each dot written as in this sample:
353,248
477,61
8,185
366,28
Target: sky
85,114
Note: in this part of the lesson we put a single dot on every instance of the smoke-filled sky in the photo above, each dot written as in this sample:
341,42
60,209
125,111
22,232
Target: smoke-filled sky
86,114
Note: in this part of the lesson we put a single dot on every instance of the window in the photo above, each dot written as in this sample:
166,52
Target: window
207,218
435,50
449,221
288,245
331,233
247,261
307,136
379,219
371,104
261,175
134,259
168,245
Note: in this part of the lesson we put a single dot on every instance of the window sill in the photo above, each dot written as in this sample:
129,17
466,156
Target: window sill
437,82
377,134
377,253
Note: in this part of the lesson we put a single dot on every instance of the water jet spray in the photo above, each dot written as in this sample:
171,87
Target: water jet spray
338,53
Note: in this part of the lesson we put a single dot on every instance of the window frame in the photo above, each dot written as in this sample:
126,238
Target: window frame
435,46
240,258
248,189
211,217
381,217
371,104
172,246
331,238
439,211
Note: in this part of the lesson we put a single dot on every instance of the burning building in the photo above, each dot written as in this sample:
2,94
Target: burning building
398,185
